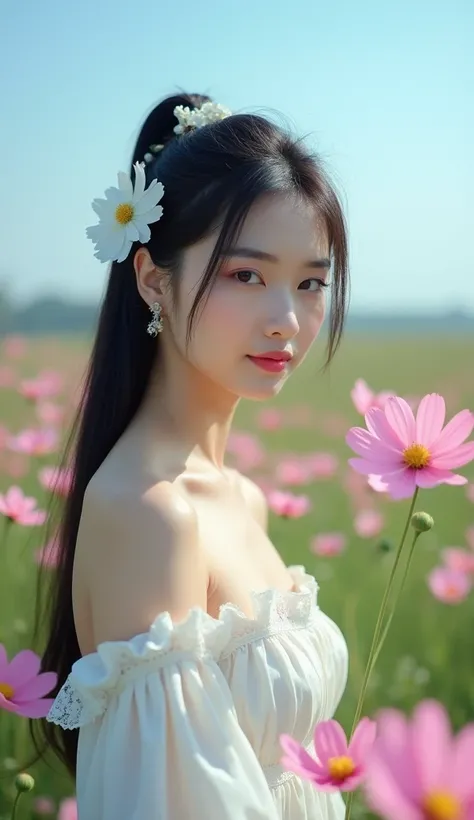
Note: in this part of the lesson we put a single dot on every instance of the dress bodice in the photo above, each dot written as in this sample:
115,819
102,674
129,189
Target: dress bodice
210,690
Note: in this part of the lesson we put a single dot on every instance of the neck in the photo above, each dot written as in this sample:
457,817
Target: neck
189,410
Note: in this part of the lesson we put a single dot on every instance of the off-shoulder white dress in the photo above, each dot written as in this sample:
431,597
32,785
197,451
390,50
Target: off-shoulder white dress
184,721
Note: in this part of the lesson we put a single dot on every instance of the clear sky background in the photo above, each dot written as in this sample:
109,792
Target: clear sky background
382,89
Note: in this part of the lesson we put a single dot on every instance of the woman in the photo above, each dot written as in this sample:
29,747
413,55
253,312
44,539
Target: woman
184,645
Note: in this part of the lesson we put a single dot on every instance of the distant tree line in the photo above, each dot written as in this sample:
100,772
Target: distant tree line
50,315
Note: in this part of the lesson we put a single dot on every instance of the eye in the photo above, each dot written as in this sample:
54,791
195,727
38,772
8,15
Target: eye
319,285
245,274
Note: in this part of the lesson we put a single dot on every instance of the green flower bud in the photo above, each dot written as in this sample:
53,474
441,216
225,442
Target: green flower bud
421,522
24,782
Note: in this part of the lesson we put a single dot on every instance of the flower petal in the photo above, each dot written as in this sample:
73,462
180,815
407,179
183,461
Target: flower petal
459,778
131,232
298,759
431,740
125,184
22,668
430,418
401,419
383,791
125,250
368,446
3,660
457,457
365,467
456,431
140,182
150,198
400,485
34,708
144,232
39,686
329,740
362,740
432,477
154,214
378,425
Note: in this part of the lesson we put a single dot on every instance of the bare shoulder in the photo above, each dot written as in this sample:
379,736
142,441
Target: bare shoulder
255,498
140,556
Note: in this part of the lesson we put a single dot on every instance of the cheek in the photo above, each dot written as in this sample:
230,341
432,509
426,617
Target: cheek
313,321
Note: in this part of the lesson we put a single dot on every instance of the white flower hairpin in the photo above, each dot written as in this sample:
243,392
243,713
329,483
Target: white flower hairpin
124,215
206,114
127,211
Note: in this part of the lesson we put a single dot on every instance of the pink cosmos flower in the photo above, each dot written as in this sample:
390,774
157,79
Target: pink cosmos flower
288,505
68,809
270,418
35,442
47,384
448,585
23,686
470,492
338,766
364,397
247,449
328,543
21,508
417,770
321,465
43,805
292,470
57,480
49,413
406,452
458,559
14,346
368,523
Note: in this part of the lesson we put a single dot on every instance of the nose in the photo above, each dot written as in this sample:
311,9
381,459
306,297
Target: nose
282,320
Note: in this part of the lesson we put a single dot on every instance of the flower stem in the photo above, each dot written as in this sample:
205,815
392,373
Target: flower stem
395,602
15,804
376,635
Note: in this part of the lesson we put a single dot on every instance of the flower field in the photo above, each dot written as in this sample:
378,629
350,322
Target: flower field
343,527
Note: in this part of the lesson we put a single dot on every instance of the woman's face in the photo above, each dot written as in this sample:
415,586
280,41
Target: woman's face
256,304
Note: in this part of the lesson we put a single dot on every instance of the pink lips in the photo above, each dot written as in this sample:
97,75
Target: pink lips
274,362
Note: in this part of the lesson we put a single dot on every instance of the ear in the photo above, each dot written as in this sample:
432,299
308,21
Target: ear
152,282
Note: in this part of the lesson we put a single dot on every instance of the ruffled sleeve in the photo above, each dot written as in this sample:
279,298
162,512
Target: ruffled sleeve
159,736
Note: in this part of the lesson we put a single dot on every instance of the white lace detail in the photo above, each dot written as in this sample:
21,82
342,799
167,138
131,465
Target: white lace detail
95,678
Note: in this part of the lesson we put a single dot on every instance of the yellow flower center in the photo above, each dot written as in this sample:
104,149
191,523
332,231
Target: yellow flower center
6,690
441,805
124,213
340,767
416,456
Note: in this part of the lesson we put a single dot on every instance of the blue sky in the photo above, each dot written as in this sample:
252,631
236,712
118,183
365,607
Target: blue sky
382,89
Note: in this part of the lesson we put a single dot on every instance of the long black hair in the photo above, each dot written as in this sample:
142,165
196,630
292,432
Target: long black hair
212,176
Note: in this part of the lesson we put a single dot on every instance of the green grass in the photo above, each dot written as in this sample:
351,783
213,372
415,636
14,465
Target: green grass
428,652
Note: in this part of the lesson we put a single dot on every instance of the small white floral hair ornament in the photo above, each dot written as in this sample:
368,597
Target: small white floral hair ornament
127,211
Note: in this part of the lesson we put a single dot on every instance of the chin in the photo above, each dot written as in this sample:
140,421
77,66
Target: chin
262,392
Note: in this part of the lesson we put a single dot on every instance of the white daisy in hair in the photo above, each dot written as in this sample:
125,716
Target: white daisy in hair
124,215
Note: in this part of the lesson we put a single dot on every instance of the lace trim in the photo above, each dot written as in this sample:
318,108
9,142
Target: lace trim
97,677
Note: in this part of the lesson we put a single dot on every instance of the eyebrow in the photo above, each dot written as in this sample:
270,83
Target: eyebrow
254,253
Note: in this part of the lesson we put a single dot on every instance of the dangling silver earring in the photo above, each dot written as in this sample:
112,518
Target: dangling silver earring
156,324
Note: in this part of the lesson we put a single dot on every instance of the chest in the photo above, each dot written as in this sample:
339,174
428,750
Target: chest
240,554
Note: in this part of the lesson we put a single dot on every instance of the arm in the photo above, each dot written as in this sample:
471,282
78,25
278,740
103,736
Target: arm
159,737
